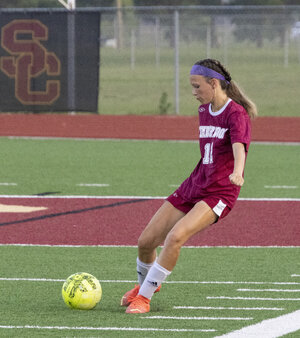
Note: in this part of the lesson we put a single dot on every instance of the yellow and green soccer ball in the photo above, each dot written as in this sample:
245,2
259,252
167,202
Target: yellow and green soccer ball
81,291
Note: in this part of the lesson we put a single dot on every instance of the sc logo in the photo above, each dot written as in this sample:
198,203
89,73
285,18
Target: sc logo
29,59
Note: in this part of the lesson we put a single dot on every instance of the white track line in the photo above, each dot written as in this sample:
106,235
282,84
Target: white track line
269,328
265,143
18,279
198,318
135,246
268,290
86,328
85,197
270,199
267,199
229,308
46,138
255,298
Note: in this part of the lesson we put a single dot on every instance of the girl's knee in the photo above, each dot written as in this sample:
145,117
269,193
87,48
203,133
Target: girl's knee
175,238
146,242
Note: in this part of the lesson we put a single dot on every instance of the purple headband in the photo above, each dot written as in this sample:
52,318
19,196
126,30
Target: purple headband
204,71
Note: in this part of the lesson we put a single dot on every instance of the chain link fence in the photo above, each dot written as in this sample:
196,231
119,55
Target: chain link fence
147,52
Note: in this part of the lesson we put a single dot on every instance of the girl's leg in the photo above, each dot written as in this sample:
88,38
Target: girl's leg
152,236
156,231
200,217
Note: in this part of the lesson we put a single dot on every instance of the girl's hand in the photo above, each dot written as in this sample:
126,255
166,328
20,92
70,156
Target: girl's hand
236,179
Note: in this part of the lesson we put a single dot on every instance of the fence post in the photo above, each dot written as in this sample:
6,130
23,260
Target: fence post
157,41
225,41
132,48
120,24
286,47
71,60
176,59
208,41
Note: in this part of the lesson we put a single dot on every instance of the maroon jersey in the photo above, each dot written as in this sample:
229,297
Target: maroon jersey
217,132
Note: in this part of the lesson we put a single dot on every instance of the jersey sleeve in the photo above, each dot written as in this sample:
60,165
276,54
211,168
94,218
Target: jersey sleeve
240,128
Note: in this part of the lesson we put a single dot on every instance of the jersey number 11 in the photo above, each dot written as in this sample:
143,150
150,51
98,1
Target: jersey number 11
208,153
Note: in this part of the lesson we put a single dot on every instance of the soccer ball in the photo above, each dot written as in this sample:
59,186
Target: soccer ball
81,291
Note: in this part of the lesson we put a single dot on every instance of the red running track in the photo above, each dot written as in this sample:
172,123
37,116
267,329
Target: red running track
281,129
88,221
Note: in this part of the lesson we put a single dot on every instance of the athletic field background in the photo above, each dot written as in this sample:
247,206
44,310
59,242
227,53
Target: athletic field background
79,204
259,72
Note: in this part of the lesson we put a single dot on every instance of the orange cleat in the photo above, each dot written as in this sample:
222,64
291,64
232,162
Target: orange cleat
140,304
130,295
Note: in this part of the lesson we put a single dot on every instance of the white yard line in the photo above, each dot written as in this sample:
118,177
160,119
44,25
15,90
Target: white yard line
198,318
134,281
232,282
8,184
97,185
281,186
86,328
255,298
269,328
16,279
295,275
268,290
229,308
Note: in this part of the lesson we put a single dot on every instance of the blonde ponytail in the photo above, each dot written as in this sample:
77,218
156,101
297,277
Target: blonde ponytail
236,94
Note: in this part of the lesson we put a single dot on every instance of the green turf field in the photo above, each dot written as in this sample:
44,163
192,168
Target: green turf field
203,276
132,168
39,303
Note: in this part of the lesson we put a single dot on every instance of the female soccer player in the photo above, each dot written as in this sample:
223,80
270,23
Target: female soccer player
211,190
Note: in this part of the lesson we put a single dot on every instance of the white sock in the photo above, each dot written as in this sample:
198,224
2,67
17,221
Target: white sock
142,270
156,275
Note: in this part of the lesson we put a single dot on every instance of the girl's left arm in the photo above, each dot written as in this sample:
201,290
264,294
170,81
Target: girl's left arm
239,163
